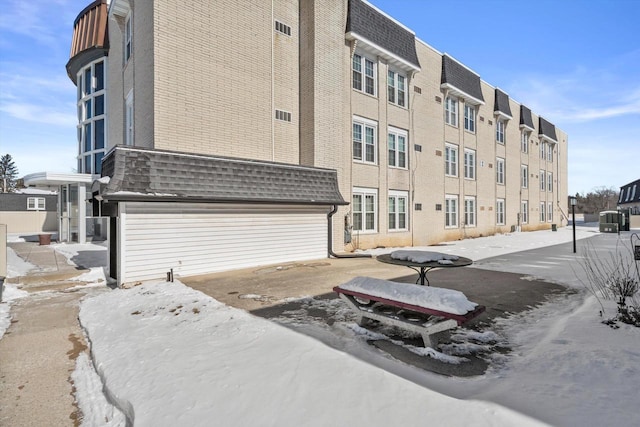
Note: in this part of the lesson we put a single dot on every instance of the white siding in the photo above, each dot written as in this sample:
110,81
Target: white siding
197,239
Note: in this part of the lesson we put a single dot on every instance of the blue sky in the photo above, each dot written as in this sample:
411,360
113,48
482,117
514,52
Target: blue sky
577,63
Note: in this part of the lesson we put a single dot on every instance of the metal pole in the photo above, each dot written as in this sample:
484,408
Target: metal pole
573,219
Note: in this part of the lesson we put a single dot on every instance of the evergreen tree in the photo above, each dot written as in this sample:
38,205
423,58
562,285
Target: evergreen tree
8,174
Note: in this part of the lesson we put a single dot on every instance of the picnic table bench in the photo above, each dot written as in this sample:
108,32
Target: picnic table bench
428,311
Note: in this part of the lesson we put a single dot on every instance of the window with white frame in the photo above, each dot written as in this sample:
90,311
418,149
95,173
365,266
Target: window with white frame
500,170
500,131
470,211
364,74
451,111
128,36
397,145
35,203
500,212
542,184
550,152
542,216
128,120
524,141
451,211
469,163
550,182
524,211
364,209
451,160
524,176
91,108
364,140
542,150
470,118
550,212
396,86
398,202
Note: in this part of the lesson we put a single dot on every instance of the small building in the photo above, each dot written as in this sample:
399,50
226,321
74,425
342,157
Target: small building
629,200
29,211
197,214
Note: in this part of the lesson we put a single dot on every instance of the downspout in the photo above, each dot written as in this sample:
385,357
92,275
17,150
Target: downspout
334,209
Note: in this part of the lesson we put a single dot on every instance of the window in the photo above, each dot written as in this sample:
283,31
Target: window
628,194
35,203
550,212
128,139
364,209
451,111
633,193
500,170
470,211
283,28
469,164
127,39
524,211
500,131
542,185
550,182
542,150
469,118
500,212
524,141
398,210
396,88
524,176
550,153
364,74
91,117
542,219
451,160
451,211
364,140
397,140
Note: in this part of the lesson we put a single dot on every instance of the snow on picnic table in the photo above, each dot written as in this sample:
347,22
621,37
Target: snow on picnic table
421,257
170,355
447,300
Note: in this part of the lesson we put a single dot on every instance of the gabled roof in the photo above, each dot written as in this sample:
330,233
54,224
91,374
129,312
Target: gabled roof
157,175
501,106
373,27
460,80
526,121
547,130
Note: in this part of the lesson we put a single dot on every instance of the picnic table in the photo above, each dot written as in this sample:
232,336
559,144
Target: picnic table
423,261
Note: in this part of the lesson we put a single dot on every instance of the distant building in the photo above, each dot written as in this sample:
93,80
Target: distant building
630,197
421,148
29,211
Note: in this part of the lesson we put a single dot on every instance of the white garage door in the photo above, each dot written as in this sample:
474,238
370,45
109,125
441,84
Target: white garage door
199,238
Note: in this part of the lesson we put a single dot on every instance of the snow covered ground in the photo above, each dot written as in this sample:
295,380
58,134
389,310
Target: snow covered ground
166,354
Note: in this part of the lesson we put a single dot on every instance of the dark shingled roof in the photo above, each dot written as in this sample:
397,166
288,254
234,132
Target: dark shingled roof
525,117
158,175
370,24
546,129
502,103
460,77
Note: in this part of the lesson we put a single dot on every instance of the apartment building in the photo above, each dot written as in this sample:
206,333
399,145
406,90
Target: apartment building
423,149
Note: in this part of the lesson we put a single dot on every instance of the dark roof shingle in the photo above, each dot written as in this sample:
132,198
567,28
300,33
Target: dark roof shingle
547,129
502,103
145,174
372,25
525,118
461,78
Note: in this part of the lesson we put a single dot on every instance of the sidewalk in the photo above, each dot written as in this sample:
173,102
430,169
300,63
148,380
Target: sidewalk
39,349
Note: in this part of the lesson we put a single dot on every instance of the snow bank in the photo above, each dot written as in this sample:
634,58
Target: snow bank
170,355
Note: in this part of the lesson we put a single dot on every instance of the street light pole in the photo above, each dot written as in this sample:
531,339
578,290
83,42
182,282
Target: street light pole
573,220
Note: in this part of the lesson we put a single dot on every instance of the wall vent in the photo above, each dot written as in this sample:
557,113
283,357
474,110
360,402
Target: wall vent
417,147
284,116
417,89
283,28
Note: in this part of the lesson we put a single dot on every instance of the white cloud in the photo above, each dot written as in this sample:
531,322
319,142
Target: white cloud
39,114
